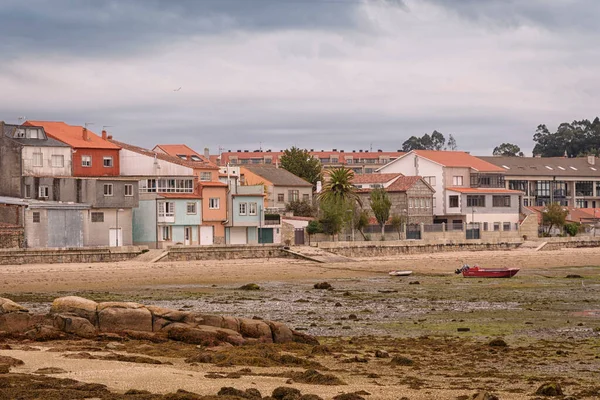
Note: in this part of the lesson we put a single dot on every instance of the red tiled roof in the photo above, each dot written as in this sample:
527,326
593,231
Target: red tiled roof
483,190
342,156
73,135
402,184
574,215
211,183
375,178
183,149
458,159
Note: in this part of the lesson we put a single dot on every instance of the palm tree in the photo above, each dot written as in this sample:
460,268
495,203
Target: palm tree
338,189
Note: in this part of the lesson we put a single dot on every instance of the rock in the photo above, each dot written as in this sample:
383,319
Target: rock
300,337
249,286
338,304
154,337
310,397
4,369
10,361
79,326
281,332
50,371
498,343
463,329
44,333
550,389
348,396
286,393
132,392
204,335
9,306
485,396
167,313
414,283
15,322
252,393
400,360
323,286
256,329
118,317
382,354
574,276
75,305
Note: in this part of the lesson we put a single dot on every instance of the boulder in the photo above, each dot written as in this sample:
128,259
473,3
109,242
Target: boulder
75,325
300,337
203,335
168,314
281,332
44,333
154,337
485,396
9,306
550,389
75,305
14,322
286,393
256,329
118,317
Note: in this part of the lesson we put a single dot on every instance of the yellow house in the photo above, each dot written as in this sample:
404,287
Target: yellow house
281,186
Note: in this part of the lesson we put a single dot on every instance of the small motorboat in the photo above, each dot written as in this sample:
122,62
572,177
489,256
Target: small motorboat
478,272
400,273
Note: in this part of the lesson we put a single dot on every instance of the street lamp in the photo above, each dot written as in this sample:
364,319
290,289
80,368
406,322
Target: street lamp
118,229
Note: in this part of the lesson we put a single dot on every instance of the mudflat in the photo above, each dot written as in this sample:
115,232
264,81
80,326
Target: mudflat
431,335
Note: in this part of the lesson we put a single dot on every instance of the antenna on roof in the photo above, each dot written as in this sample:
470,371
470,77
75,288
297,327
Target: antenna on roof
21,119
106,126
88,123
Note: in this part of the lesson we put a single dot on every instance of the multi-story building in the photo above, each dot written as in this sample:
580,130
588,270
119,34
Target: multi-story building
573,182
467,189
246,222
214,192
281,186
92,156
411,196
26,151
360,161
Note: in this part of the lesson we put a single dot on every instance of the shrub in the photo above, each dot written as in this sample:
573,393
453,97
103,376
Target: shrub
572,228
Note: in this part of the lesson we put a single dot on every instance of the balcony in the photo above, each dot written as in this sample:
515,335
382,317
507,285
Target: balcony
272,219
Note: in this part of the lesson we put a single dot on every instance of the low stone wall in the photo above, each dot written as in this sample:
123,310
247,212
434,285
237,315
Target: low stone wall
11,238
375,249
569,242
76,255
237,252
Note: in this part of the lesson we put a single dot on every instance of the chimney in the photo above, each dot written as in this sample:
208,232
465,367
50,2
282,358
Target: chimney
85,135
109,137
206,152
591,160
103,134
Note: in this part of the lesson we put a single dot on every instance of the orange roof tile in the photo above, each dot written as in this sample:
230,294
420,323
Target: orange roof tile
183,149
73,135
212,183
458,159
483,190
375,178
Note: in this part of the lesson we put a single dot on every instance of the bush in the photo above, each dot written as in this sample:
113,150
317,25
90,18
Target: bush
301,208
572,228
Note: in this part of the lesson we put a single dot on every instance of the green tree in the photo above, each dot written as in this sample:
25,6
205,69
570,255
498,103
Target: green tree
302,164
554,215
333,216
508,149
361,221
435,141
301,208
572,139
339,189
397,221
381,205
452,143
313,228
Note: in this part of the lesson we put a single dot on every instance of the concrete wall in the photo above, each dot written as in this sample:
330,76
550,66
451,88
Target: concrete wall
98,234
93,193
144,221
135,164
61,227
10,166
46,169
529,227
187,253
246,220
54,256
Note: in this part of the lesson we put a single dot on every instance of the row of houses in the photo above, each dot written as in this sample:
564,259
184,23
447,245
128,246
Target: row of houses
65,186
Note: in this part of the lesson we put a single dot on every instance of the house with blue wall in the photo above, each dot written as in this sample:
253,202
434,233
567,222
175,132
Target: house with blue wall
245,214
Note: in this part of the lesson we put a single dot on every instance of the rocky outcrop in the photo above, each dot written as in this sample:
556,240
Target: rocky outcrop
87,319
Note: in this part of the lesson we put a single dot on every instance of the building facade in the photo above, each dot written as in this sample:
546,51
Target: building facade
246,215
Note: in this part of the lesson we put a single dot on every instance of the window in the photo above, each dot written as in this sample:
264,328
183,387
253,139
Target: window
205,176
501,201
58,161
433,202
306,197
376,186
475,201
268,160
191,208
485,226
427,203
97,217
457,181
166,233
86,161
422,203
334,160
166,209
542,188
430,180
108,189
584,188
496,226
27,191
348,160
128,190
280,198
243,208
214,203
38,160
453,201
411,203
167,186
108,161
293,195
252,207
36,217
44,192
506,226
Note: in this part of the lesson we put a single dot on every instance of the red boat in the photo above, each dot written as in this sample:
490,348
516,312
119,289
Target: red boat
478,272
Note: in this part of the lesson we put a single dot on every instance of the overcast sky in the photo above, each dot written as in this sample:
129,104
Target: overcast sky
322,74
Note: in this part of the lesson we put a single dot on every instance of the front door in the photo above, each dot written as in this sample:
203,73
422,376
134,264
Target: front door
187,240
115,237
206,235
265,235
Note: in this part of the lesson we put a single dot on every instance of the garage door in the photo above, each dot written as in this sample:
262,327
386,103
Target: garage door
265,235
65,228
206,235
238,235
